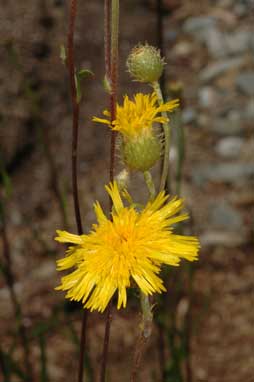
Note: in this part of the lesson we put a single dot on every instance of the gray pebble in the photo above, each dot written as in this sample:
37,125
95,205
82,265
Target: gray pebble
245,83
218,68
222,215
229,147
216,43
196,25
189,115
207,96
228,126
249,111
238,42
234,173
226,239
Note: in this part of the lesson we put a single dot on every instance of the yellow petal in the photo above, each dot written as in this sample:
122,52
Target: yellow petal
101,120
114,193
101,217
66,237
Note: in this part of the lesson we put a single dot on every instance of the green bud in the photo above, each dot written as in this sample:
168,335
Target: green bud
143,153
145,63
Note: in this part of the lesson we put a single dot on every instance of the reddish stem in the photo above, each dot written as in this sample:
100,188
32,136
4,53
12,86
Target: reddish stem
75,130
106,343
107,7
111,68
160,38
75,114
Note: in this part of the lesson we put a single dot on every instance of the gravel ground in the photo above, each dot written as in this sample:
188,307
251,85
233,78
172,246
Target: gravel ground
209,47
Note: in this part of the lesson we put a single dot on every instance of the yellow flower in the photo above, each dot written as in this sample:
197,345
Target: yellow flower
131,246
136,118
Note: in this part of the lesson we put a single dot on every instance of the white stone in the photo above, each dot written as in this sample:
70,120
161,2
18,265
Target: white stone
229,147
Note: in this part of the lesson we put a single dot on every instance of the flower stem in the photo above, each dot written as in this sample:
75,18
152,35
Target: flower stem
160,37
167,133
180,150
150,184
107,12
114,77
75,129
147,315
75,114
111,67
145,333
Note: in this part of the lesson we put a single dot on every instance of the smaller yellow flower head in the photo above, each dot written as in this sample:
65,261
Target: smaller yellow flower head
131,246
136,118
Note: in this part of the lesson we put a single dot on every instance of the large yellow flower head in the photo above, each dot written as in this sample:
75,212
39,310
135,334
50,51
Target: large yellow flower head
131,246
136,118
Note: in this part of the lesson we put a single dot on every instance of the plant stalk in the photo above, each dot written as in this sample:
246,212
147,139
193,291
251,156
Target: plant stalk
160,38
150,184
75,130
167,134
107,28
114,77
180,150
112,67
147,314
75,114
145,334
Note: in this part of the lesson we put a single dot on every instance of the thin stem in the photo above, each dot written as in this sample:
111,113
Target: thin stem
159,25
104,361
75,129
147,315
15,303
167,133
145,333
75,114
150,184
180,150
113,99
160,37
107,12
82,346
114,77
189,326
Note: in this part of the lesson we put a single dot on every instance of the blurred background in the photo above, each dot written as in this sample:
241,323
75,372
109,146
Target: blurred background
209,48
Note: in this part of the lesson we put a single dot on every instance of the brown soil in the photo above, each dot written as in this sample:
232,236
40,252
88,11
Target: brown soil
35,108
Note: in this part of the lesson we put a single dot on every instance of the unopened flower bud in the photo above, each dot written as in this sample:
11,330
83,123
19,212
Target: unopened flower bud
143,153
145,63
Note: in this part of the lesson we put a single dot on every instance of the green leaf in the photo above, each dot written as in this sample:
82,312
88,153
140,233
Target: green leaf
80,75
85,73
